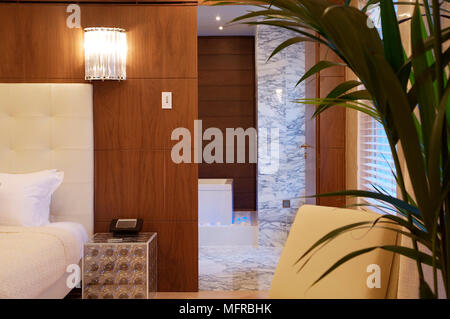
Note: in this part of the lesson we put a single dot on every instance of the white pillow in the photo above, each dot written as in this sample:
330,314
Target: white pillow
25,198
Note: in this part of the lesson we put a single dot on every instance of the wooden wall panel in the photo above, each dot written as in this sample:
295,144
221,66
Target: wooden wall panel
226,108
331,139
226,62
134,174
325,135
181,191
36,44
311,127
332,121
237,77
332,175
142,124
177,253
241,93
129,183
232,45
227,100
161,39
156,35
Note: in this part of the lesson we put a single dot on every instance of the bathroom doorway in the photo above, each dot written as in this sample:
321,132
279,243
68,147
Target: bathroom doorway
228,226
227,101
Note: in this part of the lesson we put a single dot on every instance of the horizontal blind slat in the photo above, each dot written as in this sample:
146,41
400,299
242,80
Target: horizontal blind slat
371,158
375,159
369,186
377,166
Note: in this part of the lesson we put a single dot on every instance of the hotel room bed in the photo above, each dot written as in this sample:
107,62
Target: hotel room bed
46,126
33,259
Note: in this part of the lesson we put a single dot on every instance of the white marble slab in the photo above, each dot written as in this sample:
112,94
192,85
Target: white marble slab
277,108
237,267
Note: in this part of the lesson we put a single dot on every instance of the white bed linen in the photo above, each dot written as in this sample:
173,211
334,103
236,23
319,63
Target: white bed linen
25,198
76,229
34,258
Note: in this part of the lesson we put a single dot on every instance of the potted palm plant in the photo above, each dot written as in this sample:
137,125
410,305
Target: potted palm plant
409,96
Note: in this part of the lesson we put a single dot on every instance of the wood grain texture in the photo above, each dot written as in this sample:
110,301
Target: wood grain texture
225,62
332,176
224,122
181,191
39,45
216,170
209,78
328,55
232,45
332,121
134,175
325,164
226,93
331,139
162,41
132,128
36,43
177,253
311,127
129,184
223,109
227,100
128,115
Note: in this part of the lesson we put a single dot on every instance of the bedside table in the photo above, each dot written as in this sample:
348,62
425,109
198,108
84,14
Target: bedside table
119,267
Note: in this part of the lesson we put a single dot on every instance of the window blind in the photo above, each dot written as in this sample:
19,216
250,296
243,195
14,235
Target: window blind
376,165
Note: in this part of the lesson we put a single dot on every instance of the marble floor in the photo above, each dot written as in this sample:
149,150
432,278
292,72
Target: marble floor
237,267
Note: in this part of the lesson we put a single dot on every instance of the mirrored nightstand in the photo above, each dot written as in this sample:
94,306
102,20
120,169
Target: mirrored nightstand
120,267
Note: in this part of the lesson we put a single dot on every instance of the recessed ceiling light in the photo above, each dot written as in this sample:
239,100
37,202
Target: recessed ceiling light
220,28
217,18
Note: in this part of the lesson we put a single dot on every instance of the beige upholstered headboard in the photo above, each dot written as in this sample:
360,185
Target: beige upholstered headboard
45,126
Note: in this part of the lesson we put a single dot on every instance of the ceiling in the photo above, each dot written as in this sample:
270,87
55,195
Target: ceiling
208,25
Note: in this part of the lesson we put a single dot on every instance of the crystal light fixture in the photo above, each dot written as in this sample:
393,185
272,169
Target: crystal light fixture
105,53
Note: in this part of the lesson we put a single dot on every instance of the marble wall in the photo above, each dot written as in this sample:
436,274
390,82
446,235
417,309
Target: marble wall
277,111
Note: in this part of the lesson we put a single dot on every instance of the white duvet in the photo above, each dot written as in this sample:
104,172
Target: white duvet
33,258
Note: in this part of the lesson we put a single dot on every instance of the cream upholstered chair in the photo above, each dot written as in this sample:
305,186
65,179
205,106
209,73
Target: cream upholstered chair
350,279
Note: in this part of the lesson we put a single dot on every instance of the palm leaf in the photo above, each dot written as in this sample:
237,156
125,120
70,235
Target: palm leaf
398,203
392,42
405,251
288,43
396,85
319,66
425,91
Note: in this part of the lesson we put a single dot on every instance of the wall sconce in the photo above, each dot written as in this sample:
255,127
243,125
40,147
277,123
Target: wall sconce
105,54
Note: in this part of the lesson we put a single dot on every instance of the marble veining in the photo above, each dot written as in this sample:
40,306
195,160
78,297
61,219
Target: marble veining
277,92
237,267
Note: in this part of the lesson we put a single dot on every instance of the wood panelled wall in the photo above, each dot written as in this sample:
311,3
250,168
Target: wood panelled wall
134,174
329,130
226,79
332,135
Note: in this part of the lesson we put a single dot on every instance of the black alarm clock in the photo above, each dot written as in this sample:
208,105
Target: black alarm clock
125,227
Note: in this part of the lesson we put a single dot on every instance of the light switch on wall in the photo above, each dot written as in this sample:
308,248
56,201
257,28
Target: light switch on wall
166,100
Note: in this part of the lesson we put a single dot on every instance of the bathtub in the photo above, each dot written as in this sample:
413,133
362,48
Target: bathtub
215,201
215,216
243,232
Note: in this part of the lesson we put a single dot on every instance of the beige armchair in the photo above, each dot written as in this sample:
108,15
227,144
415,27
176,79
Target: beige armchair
350,279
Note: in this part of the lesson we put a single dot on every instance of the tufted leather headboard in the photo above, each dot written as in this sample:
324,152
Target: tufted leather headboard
45,126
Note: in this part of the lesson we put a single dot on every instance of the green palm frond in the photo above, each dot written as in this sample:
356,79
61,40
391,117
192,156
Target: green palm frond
408,95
